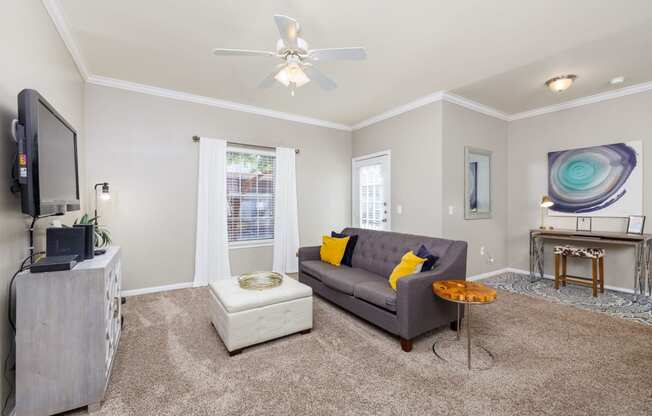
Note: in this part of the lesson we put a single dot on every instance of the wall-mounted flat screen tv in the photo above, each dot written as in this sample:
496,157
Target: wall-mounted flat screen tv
47,164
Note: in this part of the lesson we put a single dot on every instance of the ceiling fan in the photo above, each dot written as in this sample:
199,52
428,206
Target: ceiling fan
298,66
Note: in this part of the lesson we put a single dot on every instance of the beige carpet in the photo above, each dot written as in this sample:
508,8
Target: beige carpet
551,359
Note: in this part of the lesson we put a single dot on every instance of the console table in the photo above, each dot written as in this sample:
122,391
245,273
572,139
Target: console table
67,333
642,244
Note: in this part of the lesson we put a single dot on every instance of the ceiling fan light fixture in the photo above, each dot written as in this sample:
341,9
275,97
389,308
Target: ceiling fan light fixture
561,83
292,74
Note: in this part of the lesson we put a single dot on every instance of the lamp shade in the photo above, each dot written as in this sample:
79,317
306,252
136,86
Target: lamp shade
546,202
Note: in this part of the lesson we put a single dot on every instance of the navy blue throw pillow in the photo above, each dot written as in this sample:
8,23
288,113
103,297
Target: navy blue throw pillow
350,246
431,259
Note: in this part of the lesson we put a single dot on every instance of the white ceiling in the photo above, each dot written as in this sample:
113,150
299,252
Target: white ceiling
474,48
628,54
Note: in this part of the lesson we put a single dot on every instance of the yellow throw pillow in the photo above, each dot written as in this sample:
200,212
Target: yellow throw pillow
332,249
409,264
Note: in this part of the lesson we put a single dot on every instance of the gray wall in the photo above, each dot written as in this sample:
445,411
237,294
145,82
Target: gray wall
34,58
416,144
142,146
621,119
463,127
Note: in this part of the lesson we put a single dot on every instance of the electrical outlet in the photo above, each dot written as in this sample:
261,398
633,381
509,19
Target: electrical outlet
451,210
482,251
399,209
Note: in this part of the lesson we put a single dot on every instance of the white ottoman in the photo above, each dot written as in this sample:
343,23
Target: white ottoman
247,317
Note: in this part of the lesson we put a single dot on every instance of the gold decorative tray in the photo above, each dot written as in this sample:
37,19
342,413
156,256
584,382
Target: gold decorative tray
260,280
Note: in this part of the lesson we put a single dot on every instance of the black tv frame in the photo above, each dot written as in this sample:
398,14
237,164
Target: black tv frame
27,137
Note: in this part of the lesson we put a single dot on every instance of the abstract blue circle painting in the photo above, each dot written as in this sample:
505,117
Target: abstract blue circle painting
600,180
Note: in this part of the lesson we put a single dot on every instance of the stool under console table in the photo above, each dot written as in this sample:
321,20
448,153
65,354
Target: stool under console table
641,243
67,332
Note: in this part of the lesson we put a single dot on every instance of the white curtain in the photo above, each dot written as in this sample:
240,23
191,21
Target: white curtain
286,221
212,248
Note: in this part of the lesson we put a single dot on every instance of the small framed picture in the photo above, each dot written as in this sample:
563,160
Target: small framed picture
636,224
583,224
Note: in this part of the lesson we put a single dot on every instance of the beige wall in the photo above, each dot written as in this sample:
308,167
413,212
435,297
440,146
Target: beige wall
416,144
34,58
427,147
621,119
142,146
463,127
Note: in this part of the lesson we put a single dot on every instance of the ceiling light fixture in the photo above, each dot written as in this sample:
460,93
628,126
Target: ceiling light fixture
292,76
561,83
617,80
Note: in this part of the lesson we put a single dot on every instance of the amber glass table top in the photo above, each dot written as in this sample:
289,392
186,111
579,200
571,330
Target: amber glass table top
462,291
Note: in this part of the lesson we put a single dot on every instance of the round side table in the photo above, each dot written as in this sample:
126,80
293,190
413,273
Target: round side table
466,293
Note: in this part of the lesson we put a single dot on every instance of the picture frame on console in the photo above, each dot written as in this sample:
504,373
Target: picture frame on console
584,224
635,224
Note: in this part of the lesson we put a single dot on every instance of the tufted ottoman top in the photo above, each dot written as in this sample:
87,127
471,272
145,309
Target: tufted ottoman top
236,299
587,252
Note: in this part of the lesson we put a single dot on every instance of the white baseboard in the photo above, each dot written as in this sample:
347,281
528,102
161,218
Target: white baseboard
156,289
488,274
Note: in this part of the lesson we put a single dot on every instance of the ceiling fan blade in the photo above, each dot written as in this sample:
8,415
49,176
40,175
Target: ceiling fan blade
354,54
270,79
288,28
316,75
241,52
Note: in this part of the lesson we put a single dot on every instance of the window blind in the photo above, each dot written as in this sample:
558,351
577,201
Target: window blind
250,194
372,197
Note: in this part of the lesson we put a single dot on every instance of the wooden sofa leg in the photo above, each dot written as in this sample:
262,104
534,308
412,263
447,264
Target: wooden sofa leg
406,344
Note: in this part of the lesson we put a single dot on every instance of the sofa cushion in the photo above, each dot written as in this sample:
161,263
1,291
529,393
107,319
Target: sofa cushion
345,279
339,278
380,251
315,268
377,292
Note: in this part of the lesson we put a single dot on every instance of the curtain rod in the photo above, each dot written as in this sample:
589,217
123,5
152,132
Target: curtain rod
196,140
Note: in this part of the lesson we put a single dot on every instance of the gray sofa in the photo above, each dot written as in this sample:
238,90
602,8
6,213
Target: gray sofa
364,290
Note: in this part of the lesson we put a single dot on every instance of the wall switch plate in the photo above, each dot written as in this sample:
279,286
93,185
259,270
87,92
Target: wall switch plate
399,209
451,210
482,250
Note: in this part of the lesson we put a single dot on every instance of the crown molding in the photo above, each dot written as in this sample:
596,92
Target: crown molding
428,99
420,102
591,99
475,106
59,20
213,102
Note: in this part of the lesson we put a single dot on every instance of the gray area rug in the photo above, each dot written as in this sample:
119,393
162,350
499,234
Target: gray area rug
614,303
550,359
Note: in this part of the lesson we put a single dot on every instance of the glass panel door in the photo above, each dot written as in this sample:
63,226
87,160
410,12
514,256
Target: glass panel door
371,192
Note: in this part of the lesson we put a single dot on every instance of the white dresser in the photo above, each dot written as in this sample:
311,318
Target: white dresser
67,333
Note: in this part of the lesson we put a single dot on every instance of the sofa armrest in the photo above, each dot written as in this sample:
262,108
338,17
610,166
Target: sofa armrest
417,307
309,253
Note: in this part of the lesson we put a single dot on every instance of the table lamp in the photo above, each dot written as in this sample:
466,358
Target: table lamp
546,203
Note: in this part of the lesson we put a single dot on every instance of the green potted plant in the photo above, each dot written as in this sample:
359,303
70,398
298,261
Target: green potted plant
102,236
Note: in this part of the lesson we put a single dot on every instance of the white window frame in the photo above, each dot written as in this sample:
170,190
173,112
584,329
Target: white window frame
237,245
355,189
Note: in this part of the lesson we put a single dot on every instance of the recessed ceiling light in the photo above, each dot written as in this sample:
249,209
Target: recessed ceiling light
561,83
617,80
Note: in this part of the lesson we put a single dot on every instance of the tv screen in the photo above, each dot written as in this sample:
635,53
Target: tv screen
47,158
57,173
